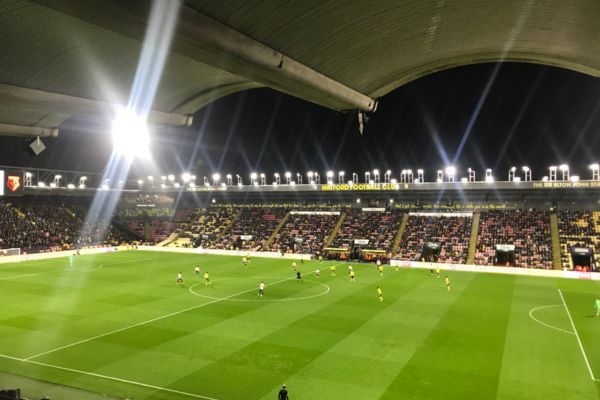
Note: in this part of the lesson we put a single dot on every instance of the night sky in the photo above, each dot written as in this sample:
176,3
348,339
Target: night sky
479,116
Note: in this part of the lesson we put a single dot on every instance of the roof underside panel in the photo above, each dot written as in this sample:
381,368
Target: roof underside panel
376,46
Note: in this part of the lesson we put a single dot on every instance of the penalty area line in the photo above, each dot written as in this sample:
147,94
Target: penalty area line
111,378
587,363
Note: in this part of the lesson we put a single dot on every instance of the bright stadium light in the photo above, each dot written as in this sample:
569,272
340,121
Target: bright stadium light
471,172
464,180
545,178
140,183
216,178
450,172
330,177
564,168
552,174
376,175
70,186
517,179
358,201
176,184
527,173
41,184
171,178
387,176
511,174
288,178
420,175
185,177
595,171
130,134
263,179
277,179
574,178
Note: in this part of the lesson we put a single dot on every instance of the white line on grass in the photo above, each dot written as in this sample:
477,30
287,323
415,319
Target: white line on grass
112,378
587,363
145,322
545,324
72,269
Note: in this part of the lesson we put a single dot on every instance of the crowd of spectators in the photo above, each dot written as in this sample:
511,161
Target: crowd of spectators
252,228
579,229
528,231
452,233
40,226
207,225
379,228
304,234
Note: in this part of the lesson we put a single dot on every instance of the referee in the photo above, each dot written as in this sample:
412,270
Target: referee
283,394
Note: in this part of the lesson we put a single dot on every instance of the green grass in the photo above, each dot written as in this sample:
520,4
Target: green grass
325,338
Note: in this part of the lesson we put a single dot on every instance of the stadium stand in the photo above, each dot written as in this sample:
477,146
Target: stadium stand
379,228
252,228
207,225
528,231
450,232
38,226
304,234
579,229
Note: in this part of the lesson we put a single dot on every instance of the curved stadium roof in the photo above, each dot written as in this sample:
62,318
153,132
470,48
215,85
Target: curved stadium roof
63,58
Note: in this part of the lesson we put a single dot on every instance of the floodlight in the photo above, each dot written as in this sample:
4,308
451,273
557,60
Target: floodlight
214,201
185,177
253,175
595,167
216,177
70,186
176,184
394,181
140,182
563,167
130,134
105,186
358,200
553,168
228,176
262,175
171,178
389,172
52,185
420,171
517,179
223,184
276,174
464,180
375,172
150,178
391,201
450,170
288,174
489,179
341,173
545,179
41,184
330,174
574,178
513,169
29,174
525,169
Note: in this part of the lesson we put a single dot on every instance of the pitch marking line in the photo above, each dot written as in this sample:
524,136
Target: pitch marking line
145,322
72,269
545,324
587,363
327,289
112,378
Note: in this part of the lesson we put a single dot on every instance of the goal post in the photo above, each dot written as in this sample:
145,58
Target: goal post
15,251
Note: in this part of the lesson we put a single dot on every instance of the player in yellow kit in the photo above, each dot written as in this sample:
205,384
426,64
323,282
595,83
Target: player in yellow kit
447,282
351,275
207,279
332,270
437,271
380,268
379,293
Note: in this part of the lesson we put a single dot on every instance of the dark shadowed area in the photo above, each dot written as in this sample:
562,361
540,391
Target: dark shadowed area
479,116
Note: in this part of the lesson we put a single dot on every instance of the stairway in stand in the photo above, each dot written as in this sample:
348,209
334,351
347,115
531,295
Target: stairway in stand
473,239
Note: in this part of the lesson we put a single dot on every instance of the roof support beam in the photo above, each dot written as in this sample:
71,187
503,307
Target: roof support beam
60,103
27,131
210,42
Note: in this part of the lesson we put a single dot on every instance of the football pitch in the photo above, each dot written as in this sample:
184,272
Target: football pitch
118,324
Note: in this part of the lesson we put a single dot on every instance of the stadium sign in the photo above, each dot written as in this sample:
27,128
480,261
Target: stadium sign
12,183
246,237
360,187
505,247
361,241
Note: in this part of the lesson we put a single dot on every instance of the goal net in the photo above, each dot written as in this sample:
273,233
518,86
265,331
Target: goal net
10,252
